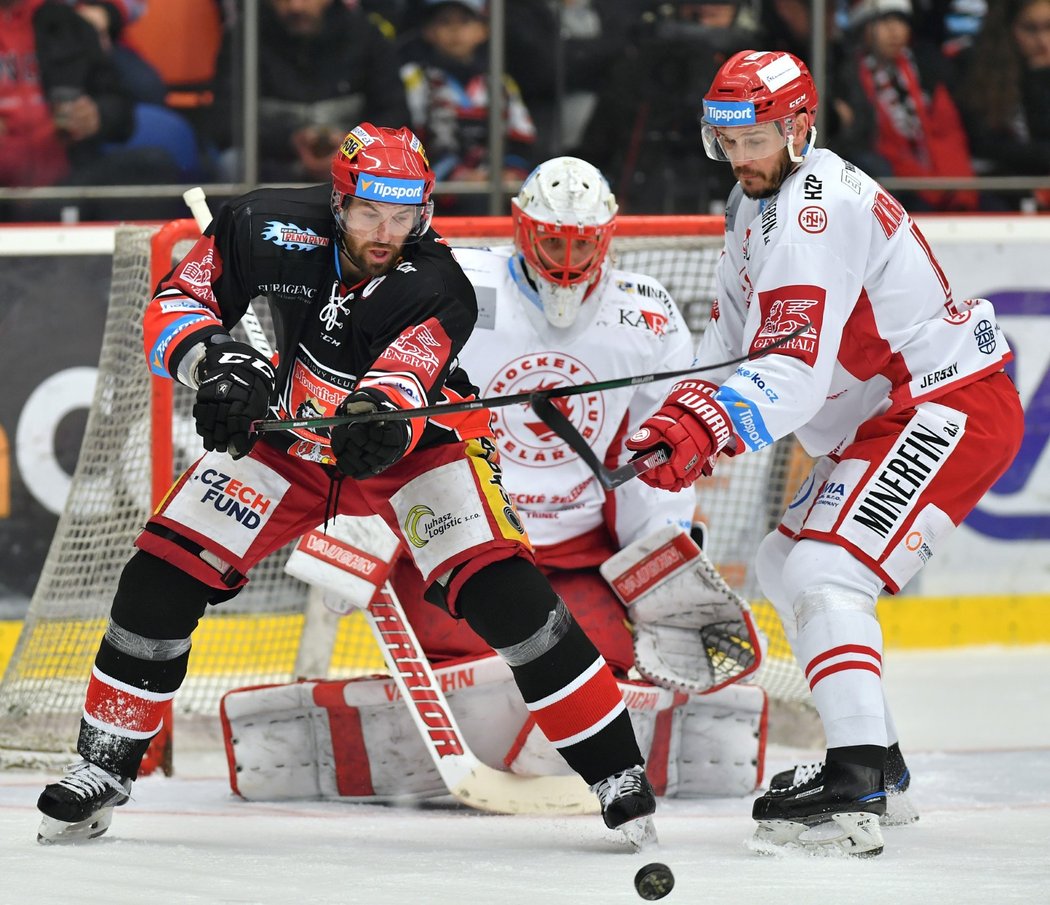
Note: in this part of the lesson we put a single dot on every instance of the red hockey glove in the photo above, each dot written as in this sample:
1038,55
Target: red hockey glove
694,428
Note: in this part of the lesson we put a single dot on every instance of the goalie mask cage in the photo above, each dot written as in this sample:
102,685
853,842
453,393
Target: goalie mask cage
140,434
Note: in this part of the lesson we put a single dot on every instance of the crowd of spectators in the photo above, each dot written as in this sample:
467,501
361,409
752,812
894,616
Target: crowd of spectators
92,92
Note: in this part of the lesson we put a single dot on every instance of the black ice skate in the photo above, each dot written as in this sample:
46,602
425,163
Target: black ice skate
900,810
837,807
80,805
628,804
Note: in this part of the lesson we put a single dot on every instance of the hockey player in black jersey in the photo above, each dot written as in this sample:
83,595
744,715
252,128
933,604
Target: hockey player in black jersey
370,311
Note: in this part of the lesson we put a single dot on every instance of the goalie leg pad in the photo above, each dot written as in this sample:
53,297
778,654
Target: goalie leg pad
720,743
354,740
693,632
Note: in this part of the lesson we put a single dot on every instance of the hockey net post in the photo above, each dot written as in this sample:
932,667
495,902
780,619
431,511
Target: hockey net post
140,434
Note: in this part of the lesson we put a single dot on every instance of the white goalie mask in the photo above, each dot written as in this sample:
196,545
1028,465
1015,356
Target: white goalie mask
564,218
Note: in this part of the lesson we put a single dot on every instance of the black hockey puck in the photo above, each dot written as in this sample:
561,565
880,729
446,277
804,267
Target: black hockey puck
654,881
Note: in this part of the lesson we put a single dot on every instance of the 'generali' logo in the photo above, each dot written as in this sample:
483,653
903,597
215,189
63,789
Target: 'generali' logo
520,433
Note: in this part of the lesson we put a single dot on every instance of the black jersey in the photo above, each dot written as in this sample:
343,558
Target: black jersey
399,333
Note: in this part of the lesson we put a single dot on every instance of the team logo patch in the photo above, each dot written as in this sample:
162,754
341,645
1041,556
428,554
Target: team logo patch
292,237
312,394
984,333
519,432
786,309
416,348
813,219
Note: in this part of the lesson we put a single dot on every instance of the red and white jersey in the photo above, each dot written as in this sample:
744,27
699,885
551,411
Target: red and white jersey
835,249
629,325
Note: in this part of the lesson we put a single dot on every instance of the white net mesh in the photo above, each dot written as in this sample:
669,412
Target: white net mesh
255,638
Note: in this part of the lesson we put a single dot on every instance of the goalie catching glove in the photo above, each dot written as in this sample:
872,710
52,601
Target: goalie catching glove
364,449
692,631
234,389
693,426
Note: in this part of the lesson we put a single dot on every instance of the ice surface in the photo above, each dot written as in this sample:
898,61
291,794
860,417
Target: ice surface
974,728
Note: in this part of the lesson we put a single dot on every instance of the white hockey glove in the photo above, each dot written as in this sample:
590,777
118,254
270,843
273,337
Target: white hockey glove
692,631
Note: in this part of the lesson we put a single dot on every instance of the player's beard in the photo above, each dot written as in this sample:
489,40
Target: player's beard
772,185
355,252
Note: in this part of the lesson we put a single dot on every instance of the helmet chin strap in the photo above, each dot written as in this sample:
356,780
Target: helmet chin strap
811,142
361,272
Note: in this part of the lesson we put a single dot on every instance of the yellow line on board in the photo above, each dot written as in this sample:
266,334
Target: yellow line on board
234,644
932,622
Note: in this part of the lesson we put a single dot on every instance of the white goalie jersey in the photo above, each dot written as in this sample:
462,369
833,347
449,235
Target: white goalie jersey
629,325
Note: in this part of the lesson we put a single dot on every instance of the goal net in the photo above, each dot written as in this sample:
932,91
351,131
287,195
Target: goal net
140,434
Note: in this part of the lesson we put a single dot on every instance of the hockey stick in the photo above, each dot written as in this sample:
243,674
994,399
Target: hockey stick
492,402
609,479
467,779
198,205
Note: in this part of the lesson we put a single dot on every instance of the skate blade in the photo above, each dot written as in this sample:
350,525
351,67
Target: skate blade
851,833
639,833
899,810
59,832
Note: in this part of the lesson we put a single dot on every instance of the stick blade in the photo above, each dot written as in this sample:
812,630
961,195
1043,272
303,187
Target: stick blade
499,792
635,467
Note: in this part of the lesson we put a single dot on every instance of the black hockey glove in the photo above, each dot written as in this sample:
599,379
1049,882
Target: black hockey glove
236,383
362,450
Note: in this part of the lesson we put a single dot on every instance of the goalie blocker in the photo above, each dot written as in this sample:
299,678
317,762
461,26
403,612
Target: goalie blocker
354,740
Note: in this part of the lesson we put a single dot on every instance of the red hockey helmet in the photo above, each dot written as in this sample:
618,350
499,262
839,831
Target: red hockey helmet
383,165
755,87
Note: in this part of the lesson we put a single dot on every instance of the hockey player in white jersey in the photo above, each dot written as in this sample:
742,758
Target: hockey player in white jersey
897,389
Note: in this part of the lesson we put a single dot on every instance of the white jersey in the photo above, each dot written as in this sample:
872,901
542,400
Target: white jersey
628,326
835,249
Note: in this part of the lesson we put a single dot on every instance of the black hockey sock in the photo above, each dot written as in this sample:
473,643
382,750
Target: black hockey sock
873,756
570,691
118,754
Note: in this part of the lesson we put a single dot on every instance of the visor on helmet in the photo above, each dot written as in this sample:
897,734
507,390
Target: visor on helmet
380,220
739,144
